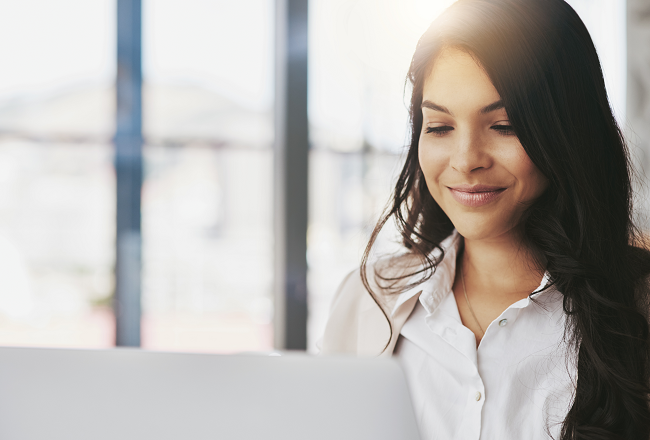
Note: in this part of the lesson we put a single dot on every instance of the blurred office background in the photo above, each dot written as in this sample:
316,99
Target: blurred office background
207,199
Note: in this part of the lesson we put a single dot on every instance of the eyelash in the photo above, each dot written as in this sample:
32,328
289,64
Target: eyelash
502,129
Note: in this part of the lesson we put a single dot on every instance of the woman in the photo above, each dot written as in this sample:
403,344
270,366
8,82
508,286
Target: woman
518,308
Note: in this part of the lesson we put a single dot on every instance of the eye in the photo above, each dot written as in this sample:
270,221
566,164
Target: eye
439,131
503,129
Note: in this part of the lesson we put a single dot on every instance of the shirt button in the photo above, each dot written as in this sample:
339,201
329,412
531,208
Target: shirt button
478,396
503,323
430,300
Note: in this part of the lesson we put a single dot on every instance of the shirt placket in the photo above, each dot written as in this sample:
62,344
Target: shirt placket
471,426
463,340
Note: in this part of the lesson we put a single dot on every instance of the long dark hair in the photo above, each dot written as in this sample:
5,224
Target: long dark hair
542,61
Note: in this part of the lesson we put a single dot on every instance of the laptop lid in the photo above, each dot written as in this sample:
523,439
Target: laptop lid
128,394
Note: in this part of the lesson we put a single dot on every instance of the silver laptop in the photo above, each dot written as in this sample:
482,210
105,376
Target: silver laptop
127,394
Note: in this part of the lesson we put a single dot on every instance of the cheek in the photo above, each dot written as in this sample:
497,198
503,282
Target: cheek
433,161
532,182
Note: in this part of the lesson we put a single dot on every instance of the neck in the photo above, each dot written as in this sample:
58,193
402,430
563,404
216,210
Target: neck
502,266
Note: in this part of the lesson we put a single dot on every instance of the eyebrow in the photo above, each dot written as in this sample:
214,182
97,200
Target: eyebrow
436,107
485,110
492,107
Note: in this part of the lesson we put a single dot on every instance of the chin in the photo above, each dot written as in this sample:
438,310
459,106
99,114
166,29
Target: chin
481,228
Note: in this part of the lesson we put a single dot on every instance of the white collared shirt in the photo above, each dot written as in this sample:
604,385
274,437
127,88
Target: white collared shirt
518,384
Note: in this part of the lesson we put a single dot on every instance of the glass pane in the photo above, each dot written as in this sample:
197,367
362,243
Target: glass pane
359,55
207,196
58,68
57,198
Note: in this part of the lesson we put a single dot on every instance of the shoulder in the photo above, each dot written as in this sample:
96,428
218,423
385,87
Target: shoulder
386,278
353,303
350,299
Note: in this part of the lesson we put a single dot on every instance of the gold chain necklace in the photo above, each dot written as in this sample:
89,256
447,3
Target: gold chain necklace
462,277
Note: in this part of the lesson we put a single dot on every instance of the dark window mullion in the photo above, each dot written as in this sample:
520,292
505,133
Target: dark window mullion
128,171
291,172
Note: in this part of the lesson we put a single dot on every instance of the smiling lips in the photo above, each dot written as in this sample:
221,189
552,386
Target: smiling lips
475,195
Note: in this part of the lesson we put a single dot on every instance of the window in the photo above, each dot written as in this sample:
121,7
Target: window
207,200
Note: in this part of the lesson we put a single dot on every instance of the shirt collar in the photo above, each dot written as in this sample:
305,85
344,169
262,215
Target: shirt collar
442,279
522,303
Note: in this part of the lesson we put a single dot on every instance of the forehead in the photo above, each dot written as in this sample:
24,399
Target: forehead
457,80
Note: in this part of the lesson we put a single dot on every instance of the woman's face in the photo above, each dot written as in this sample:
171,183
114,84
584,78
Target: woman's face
473,163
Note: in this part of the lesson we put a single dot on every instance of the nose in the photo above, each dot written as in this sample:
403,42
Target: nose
469,154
